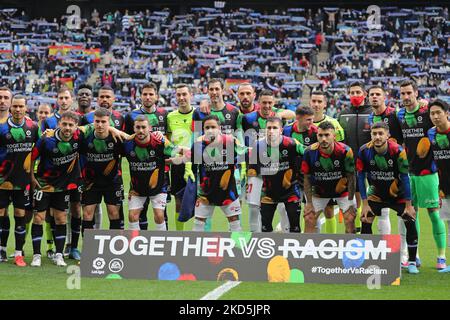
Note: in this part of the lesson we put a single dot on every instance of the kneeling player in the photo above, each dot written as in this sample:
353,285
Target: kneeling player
100,170
385,164
145,154
279,171
213,155
56,175
329,170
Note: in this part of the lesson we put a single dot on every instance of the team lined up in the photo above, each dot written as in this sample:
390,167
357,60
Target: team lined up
229,153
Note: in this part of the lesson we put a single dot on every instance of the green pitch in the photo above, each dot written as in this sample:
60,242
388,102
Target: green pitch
50,282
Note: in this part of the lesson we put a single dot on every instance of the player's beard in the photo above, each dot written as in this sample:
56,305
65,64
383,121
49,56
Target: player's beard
105,105
246,104
142,137
325,145
376,144
67,134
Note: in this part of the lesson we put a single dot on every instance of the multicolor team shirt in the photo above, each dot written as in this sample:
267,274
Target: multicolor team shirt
389,116
158,119
179,128
229,118
51,122
16,144
256,107
254,125
328,172
340,134
306,138
386,173
147,165
279,167
415,126
58,168
440,146
215,164
100,162
116,119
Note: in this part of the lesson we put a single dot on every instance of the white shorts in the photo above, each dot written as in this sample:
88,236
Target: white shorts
254,186
158,202
206,211
444,212
343,203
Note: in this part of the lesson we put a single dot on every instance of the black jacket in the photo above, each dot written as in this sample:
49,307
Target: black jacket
354,121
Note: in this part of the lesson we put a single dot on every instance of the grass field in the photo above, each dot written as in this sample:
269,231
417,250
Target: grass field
49,282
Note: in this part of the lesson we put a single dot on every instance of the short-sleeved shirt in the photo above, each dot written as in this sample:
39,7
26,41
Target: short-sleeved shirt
216,184
100,161
440,146
179,128
16,144
415,126
157,119
51,122
58,168
340,135
328,172
383,172
279,169
116,119
228,117
389,116
146,162
306,138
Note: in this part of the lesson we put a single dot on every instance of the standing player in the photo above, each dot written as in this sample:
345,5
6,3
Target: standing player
305,132
5,225
213,157
254,127
179,132
440,145
355,121
145,154
17,136
5,103
229,119
44,111
415,123
280,174
388,115
384,163
100,171
106,99
65,101
329,170
247,96
84,100
318,102
157,117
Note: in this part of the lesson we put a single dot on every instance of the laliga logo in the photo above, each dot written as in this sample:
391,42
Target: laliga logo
98,263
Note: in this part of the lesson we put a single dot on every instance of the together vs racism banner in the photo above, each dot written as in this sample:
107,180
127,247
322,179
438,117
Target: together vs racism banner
241,256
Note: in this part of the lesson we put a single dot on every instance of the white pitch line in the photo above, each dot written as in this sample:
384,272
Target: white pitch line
220,291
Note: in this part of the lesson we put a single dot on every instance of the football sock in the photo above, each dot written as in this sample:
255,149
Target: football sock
37,232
